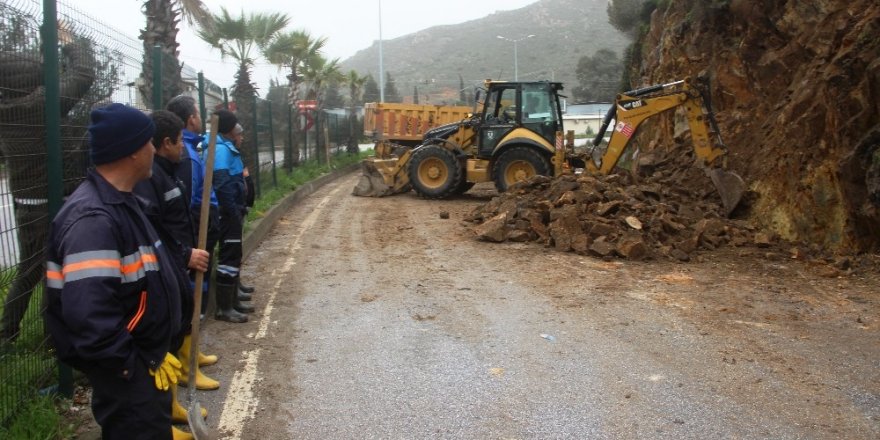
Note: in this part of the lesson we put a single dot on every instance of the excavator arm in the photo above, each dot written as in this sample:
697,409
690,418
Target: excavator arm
632,108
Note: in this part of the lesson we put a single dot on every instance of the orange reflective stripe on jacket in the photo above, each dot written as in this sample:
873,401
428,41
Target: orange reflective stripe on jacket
54,277
142,307
102,263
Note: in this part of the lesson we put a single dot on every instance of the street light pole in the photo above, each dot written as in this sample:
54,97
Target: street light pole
515,54
381,71
515,62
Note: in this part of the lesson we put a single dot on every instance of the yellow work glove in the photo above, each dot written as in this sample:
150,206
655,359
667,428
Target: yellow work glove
167,373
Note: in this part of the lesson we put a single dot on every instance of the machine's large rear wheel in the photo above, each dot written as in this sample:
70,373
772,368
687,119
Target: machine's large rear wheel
518,164
434,172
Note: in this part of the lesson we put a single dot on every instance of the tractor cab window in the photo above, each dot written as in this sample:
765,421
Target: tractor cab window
501,106
540,112
536,104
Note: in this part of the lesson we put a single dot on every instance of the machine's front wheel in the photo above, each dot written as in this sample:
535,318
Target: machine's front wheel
518,164
434,172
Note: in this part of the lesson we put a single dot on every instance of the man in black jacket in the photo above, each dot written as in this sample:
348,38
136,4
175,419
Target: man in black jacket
168,208
113,298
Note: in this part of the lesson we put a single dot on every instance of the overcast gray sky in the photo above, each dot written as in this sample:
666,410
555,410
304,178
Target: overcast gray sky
348,25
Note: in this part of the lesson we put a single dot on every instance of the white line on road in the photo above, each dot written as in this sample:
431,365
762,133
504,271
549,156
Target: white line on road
241,404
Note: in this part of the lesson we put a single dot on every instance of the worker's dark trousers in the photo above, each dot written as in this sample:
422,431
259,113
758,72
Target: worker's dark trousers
229,264
130,409
212,238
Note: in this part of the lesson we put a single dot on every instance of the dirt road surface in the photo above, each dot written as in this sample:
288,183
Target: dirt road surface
379,319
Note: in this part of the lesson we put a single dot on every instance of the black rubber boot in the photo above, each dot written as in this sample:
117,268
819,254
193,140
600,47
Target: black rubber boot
243,296
242,287
242,306
226,299
206,295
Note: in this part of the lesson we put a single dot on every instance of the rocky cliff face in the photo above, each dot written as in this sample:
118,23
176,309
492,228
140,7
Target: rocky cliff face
796,88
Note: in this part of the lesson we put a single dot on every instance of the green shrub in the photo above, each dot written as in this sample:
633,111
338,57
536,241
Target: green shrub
40,420
300,175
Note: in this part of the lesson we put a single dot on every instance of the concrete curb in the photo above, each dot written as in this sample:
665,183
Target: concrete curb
261,227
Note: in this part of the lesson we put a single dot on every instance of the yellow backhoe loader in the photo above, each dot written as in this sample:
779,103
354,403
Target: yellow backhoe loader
632,108
519,134
516,135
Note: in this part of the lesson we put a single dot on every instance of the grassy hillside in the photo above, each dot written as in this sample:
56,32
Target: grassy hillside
433,59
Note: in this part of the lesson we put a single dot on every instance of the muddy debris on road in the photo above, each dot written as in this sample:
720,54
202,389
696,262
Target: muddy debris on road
674,213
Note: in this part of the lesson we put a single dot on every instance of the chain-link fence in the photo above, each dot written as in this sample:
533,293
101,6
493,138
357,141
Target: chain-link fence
92,65
286,136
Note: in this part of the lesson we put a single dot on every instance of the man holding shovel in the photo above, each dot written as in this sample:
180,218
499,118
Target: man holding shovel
168,209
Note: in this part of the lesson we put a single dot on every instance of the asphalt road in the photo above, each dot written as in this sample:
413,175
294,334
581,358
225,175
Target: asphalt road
377,319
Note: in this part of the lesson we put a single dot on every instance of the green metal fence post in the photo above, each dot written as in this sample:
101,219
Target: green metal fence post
318,139
289,155
305,141
272,146
335,135
256,172
54,166
202,109
331,128
157,77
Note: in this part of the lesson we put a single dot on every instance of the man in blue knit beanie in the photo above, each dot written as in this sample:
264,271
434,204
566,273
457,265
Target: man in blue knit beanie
230,188
112,293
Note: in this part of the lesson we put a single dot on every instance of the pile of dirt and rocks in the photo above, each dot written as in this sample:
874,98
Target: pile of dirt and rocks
672,213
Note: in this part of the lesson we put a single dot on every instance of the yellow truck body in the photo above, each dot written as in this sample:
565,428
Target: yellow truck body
406,123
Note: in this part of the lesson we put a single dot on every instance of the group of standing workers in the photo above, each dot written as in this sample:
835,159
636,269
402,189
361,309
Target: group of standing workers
122,257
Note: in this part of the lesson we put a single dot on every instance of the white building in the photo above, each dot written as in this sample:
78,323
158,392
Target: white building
586,119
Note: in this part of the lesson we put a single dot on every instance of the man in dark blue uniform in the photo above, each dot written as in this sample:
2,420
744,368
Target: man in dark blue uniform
166,204
185,108
113,296
229,185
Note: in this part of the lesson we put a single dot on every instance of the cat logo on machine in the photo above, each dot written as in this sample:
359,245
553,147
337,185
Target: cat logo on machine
490,134
633,104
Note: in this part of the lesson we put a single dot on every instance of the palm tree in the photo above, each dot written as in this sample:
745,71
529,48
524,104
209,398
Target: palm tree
294,50
238,37
318,74
161,29
355,87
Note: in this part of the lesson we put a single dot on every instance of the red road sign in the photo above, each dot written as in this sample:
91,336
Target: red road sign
306,104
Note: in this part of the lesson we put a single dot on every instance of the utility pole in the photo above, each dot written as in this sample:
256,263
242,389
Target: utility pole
381,71
515,55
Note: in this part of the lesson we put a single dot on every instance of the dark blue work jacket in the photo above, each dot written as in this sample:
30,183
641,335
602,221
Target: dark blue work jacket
112,296
165,201
168,208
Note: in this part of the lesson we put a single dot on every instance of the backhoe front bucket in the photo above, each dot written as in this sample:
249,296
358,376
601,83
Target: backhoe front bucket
729,185
380,178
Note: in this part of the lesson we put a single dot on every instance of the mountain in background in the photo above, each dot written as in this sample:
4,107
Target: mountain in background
434,58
